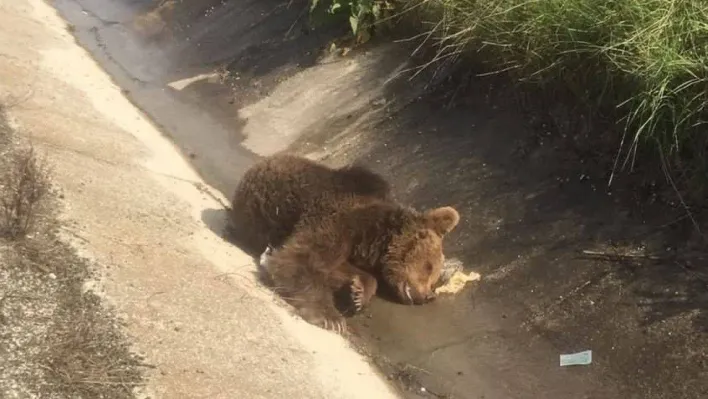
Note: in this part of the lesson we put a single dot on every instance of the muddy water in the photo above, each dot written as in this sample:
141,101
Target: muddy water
230,81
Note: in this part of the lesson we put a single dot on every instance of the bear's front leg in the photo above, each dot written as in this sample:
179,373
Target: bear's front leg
363,287
352,287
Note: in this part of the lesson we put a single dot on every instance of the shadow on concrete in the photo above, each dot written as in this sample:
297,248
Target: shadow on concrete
215,219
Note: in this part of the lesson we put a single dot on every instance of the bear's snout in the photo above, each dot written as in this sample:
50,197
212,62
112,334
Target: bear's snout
424,298
414,296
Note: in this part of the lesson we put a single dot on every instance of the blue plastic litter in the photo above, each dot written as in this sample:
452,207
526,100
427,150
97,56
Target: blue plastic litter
576,359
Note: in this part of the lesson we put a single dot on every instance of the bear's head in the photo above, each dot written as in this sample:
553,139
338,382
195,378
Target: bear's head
414,260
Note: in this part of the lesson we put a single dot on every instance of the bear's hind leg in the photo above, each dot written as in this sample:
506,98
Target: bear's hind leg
304,288
328,318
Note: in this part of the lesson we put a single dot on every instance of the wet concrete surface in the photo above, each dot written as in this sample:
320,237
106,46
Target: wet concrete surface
144,73
529,206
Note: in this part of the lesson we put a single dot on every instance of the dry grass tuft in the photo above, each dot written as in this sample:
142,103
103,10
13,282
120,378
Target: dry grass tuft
57,340
25,185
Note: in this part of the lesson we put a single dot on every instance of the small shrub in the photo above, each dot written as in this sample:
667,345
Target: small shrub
362,15
24,185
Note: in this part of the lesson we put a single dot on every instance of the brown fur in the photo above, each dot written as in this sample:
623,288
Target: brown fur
273,195
359,240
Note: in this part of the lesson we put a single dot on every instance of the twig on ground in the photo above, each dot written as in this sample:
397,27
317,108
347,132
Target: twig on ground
667,172
615,256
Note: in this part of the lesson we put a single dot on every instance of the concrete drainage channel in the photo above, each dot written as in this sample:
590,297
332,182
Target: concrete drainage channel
231,81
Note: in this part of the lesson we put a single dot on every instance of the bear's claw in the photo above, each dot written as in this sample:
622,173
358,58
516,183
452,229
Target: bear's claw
328,320
336,325
357,290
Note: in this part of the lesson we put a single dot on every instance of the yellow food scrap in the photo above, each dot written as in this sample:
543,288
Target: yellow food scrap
457,282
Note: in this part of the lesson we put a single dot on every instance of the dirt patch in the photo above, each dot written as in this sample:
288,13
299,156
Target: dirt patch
57,340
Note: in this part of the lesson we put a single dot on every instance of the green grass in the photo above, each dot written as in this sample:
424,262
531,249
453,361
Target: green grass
646,59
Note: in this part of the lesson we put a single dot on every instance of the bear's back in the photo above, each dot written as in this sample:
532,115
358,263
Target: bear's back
274,194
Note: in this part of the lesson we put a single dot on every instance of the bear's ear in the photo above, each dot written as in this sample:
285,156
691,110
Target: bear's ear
442,220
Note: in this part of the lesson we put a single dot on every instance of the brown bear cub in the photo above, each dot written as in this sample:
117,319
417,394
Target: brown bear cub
274,193
363,240
336,232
